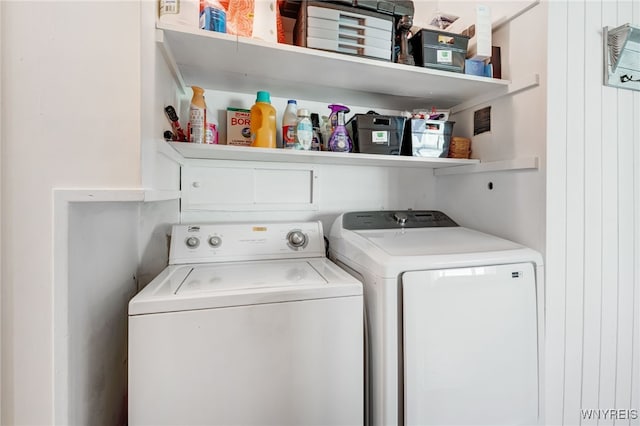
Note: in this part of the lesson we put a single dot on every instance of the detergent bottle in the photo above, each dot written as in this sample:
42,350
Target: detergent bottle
263,122
339,140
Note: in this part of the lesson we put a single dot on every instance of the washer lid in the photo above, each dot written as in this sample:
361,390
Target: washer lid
205,286
435,241
249,276
390,252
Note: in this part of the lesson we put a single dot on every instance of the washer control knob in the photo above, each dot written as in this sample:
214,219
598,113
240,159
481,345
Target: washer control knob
297,239
192,242
215,241
400,218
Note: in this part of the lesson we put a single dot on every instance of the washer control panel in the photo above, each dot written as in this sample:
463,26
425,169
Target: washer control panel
240,242
393,219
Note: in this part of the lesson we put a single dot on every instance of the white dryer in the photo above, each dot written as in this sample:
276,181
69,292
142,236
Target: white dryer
452,316
249,324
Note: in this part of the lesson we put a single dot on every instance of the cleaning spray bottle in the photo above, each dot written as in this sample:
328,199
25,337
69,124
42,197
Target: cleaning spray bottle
339,140
333,117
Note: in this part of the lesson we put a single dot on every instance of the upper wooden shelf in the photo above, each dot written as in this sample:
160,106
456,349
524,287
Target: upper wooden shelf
242,153
219,61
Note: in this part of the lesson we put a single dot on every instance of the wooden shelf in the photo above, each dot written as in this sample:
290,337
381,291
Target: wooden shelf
220,61
225,152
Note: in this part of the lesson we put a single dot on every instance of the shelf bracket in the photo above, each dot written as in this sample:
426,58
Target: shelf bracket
505,20
170,60
515,87
529,163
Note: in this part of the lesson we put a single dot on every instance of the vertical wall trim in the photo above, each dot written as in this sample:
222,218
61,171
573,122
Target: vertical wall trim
556,212
634,397
592,269
575,211
1,239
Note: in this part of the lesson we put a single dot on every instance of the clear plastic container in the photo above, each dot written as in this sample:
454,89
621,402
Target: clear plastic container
304,130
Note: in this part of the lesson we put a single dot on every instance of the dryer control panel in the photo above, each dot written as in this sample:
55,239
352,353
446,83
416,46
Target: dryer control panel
393,219
229,242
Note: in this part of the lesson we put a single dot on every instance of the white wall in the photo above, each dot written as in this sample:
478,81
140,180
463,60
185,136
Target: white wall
515,207
71,118
154,229
593,220
113,249
101,282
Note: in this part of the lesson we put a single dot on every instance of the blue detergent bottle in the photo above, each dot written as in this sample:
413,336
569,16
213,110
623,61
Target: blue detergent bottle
339,140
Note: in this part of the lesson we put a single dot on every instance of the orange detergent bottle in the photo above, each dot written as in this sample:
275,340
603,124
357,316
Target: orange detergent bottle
263,122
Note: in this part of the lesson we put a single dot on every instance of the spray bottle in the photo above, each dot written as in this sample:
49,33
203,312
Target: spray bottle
339,140
196,128
333,117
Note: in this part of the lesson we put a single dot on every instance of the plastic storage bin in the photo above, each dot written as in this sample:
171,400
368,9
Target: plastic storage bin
427,138
376,134
439,50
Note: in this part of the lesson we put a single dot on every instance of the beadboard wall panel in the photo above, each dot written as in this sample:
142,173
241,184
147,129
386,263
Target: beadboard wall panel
593,224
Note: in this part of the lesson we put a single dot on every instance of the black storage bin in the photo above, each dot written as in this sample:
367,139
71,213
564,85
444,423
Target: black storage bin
376,134
439,50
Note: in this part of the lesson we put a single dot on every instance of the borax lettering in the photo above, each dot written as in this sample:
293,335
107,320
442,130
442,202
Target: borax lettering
240,121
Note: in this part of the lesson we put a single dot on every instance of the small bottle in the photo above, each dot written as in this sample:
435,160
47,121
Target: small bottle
340,140
263,122
196,128
325,130
289,121
304,130
316,142
211,128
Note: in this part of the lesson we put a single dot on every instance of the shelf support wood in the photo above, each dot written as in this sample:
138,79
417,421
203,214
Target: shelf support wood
515,87
528,163
170,60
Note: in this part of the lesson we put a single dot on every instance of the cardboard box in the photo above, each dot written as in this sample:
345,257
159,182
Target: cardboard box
238,127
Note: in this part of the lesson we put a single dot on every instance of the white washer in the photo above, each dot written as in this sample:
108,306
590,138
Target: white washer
249,324
452,316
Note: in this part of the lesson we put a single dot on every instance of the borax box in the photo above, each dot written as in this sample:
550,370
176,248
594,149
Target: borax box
238,127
